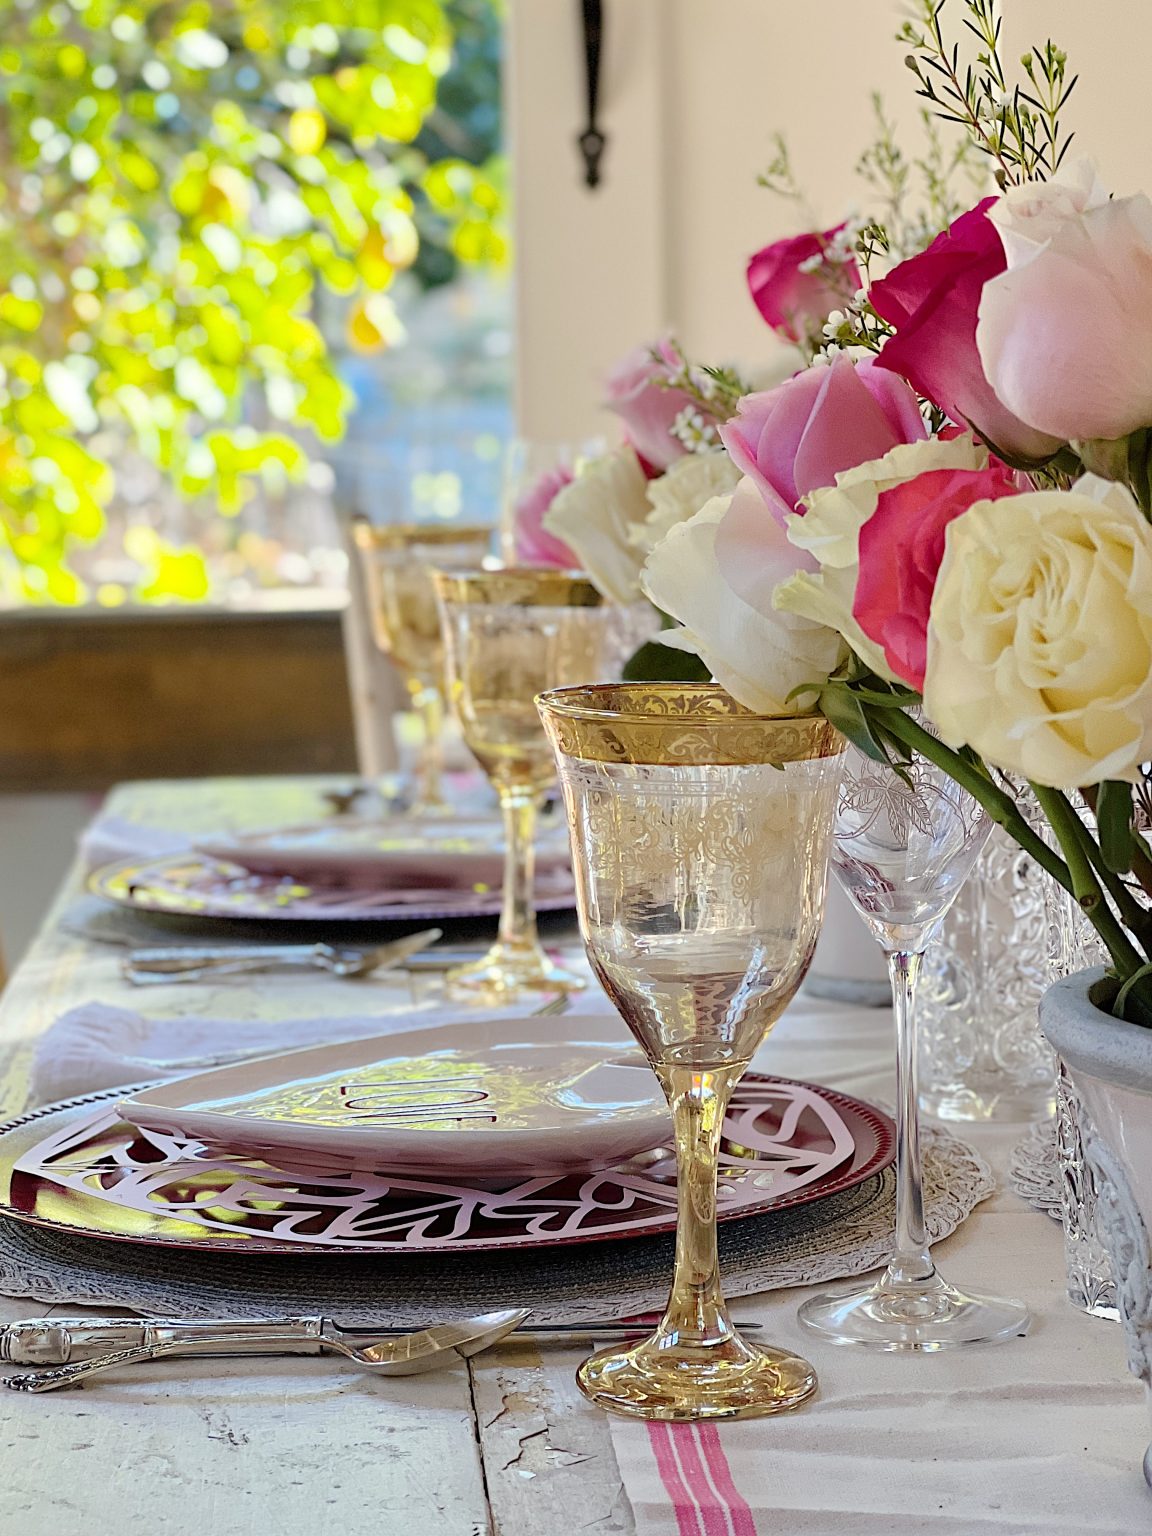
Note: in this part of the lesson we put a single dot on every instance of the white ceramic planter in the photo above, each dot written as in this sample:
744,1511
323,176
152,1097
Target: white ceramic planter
1111,1064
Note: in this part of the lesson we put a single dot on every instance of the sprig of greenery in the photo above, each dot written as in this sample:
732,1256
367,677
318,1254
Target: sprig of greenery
1016,126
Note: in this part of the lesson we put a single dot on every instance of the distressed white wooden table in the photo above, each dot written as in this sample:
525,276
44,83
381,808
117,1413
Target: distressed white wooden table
508,1446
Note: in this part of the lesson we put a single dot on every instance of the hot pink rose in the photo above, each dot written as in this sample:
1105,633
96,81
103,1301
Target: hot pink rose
534,544
933,300
901,547
797,283
640,392
798,437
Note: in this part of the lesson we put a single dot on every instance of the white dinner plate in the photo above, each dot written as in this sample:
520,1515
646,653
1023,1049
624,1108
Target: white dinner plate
476,1099
450,852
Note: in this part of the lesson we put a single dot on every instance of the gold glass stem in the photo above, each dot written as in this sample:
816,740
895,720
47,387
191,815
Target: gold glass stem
696,1311
518,914
429,706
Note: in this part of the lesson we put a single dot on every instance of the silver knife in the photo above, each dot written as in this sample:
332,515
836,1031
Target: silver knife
60,1340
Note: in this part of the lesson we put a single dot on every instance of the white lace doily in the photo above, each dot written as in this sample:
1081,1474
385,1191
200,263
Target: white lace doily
829,1239
1034,1171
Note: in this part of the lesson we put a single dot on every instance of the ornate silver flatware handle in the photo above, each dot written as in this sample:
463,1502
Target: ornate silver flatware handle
59,1341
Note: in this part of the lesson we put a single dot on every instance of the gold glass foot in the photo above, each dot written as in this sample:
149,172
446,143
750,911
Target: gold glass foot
659,1379
509,974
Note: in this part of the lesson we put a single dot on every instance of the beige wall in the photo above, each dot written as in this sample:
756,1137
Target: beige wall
692,92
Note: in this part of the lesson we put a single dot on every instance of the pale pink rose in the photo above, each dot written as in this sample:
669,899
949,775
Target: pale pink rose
1065,333
901,547
640,392
932,300
798,437
797,283
534,544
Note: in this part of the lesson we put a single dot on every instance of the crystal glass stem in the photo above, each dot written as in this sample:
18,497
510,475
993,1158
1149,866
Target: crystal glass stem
696,1314
911,1261
429,705
518,913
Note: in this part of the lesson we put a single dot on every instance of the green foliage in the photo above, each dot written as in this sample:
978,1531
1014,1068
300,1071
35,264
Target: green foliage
1016,125
176,178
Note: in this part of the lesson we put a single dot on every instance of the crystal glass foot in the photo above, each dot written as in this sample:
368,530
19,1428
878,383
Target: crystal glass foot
700,840
731,1379
924,1315
902,849
508,634
397,560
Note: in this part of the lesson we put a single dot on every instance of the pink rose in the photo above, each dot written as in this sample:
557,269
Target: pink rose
1065,333
534,544
641,393
901,547
932,300
797,283
798,437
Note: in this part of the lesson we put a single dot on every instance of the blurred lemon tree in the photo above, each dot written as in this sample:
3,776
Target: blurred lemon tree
177,177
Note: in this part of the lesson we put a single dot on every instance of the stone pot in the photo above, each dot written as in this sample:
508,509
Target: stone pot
1111,1065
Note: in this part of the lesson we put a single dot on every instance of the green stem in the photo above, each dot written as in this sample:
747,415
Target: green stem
1072,836
999,805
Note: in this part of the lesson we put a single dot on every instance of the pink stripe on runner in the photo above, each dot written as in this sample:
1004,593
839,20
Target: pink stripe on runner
687,1515
713,1512
739,1511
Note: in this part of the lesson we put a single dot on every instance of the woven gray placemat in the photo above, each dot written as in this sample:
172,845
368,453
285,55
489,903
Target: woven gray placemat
842,1235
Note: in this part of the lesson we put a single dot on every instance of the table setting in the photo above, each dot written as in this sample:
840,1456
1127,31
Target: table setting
472,1148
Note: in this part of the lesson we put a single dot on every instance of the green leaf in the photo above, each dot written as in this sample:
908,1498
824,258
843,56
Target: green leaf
656,663
845,711
1114,824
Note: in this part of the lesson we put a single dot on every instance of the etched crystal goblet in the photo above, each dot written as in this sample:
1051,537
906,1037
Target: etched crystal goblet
397,561
700,836
509,634
902,849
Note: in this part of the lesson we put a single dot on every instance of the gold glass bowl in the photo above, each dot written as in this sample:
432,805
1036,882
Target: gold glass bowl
509,634
700,836
397,561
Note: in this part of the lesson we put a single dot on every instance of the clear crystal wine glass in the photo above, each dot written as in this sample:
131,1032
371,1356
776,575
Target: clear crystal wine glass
902,849
508,634
397,561
700,837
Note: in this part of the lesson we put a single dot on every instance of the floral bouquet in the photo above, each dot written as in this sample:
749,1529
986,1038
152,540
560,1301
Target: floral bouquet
949,509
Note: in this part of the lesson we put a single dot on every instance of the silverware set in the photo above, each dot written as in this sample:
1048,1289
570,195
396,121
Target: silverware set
69,1350
185,962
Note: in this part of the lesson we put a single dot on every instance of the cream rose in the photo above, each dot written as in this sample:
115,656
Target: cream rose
597,516
678,495
1040,637
830,532
759,658
611,516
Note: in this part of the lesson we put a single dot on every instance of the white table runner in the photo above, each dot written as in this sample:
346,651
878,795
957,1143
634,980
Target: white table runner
1036,1437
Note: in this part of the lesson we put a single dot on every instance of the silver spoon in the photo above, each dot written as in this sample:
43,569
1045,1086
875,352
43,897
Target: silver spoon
406,1354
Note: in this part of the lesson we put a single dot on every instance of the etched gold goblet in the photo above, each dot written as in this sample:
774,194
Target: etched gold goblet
700,836
509,634
397,561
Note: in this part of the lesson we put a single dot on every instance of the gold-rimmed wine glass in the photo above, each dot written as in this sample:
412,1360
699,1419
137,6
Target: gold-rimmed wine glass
508,635
397,561
700,836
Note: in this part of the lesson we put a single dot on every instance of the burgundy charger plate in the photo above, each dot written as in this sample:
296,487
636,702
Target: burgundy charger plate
76,1167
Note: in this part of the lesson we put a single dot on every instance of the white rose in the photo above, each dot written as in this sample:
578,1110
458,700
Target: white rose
1040,639
758,658
830,531
680,493
597,515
